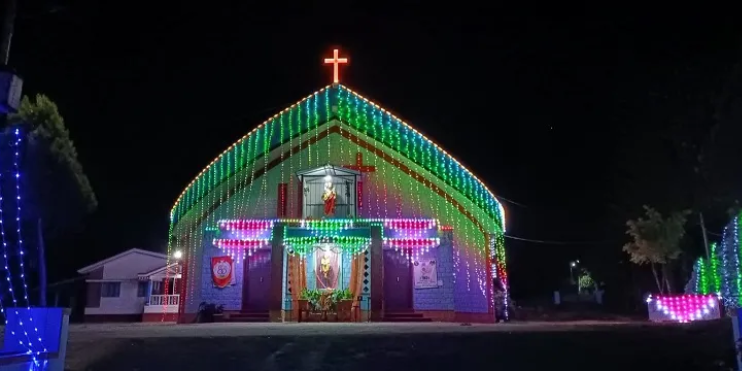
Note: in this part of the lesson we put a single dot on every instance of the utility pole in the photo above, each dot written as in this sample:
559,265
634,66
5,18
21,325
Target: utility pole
7,78
705,237
8,26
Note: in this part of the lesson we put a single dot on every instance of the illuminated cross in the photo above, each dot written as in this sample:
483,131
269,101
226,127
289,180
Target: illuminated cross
359,166
335,61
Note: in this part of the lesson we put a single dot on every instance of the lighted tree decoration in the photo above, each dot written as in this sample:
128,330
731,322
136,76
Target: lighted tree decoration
585,280
656,241
58,193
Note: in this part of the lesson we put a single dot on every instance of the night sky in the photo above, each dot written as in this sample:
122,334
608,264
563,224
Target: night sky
541,108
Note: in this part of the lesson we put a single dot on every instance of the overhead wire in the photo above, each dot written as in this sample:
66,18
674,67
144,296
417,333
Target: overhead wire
552,242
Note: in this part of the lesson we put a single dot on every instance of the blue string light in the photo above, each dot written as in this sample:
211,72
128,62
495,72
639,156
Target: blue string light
726,267
8,278
730,264
17,167
5,264
736,250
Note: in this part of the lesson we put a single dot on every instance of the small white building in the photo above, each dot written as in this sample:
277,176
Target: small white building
131,286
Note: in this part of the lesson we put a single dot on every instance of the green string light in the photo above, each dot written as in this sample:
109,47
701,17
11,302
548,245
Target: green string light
305,245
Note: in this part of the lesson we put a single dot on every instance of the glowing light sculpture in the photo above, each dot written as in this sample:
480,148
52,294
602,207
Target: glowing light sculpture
721,273
683,308
336,61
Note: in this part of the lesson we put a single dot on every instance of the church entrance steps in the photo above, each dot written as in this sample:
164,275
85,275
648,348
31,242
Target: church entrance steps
404,317
244,317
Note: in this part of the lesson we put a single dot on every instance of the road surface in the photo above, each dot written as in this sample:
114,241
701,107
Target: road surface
391,347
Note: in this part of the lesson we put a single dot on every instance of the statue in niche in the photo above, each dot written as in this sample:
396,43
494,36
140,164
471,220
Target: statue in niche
329,197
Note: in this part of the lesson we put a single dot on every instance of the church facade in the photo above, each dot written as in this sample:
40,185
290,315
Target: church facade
336,194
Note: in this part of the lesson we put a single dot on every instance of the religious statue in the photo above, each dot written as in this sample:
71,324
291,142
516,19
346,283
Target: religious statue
329,197
324,265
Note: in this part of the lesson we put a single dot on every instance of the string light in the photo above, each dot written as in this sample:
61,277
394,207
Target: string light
8,277
715,278
720,275
17,166
29,346
683,308
463,176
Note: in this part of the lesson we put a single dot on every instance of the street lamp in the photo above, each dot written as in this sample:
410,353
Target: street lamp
572,266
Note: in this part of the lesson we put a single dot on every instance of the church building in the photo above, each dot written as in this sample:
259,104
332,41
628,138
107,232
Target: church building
335,197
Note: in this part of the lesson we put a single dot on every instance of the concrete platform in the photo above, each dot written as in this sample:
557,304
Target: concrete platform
153,330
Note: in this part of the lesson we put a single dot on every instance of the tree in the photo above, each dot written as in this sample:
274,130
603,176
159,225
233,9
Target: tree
656,241
585,280
58,193
681,150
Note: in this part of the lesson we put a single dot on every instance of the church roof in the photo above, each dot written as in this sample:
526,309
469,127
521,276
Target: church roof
339,102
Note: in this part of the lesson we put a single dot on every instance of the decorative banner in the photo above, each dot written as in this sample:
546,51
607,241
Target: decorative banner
326,266
426,275
222,271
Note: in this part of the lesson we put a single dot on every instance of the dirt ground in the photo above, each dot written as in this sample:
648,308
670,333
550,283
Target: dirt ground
375,346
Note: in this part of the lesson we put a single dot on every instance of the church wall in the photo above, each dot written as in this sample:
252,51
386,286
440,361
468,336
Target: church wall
440,298
311,271
192,279
470,289
286,305
387,192
230,296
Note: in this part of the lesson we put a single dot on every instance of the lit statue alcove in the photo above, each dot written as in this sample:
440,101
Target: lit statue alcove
329,192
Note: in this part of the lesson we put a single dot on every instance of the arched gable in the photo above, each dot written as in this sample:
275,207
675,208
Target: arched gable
313,114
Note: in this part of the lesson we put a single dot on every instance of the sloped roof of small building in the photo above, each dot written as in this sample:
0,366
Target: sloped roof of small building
103,262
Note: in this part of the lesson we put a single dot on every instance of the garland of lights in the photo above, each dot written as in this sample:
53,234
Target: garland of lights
388,129
706,275
702,284
683,308
720,274
8,277
305,245
714,272
21,254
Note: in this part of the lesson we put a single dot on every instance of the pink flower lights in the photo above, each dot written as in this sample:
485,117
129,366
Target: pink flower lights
241,225
410,223
683,308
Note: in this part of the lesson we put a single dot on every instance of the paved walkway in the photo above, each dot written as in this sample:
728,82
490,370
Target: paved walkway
154,330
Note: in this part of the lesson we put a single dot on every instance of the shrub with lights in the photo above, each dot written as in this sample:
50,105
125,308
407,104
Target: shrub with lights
721,274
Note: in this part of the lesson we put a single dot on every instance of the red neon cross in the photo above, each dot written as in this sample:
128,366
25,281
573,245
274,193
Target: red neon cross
335,61
359,166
